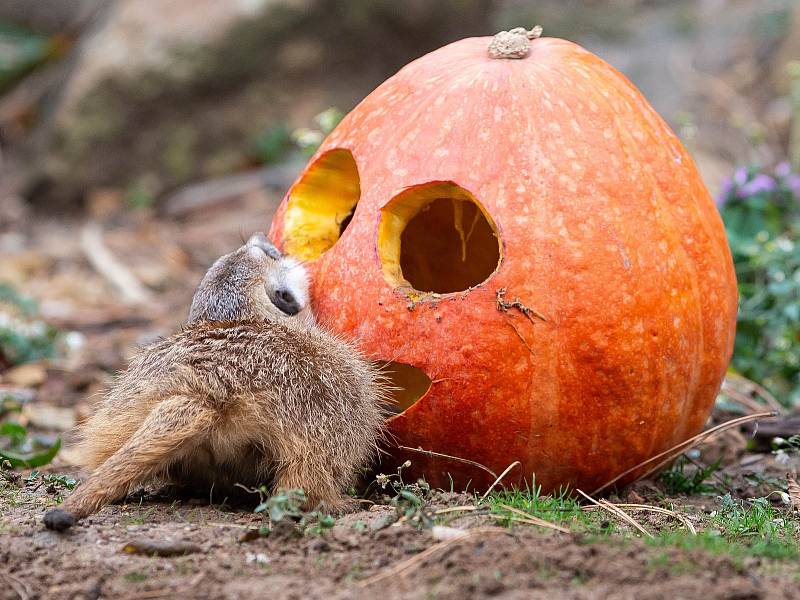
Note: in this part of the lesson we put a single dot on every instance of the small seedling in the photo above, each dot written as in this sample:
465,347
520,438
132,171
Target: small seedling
287,505
409,499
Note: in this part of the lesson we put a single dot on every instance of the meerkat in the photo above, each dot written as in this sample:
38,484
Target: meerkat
251,390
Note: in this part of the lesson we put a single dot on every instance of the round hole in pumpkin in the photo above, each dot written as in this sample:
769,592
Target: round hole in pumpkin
321,204
405,384
436,237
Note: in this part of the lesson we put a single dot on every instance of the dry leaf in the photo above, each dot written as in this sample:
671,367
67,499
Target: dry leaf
29,375
160,548
794,491
47,416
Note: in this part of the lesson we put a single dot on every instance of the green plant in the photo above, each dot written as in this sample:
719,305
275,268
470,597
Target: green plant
761,212
287,505
23,338
272,144
23,51
22,450
409,499
679,480
767,531
308,139
784,448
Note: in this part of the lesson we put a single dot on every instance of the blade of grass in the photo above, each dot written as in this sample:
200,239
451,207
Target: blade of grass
533,519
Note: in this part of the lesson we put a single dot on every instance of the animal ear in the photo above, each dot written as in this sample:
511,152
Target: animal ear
258,241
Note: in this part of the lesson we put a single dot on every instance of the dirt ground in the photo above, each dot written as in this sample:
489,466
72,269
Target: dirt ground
45,256
354,560
88,563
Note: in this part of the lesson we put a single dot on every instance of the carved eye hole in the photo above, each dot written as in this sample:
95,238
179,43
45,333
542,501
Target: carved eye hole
321,205
436,237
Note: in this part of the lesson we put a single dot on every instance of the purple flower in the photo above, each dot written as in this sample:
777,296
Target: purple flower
793,183
740,176
783,169
724,193
758,185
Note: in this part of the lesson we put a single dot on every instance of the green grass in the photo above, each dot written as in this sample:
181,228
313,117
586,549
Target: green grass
560,508
135,577
738,528
694,480
140,518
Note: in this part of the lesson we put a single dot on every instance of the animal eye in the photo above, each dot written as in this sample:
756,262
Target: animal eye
260,241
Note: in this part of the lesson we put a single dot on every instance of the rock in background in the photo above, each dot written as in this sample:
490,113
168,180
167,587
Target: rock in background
148,95
164,92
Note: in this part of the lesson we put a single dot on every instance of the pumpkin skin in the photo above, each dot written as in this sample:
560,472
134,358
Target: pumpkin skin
606,229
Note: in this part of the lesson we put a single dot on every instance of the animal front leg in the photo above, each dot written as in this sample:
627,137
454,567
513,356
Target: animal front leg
173,426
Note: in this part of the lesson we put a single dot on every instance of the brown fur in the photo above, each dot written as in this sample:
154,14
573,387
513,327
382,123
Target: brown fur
273,398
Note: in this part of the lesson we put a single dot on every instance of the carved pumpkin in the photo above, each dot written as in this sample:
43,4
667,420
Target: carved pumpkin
533,248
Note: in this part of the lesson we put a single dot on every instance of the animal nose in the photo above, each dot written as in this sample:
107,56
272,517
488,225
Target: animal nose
286,302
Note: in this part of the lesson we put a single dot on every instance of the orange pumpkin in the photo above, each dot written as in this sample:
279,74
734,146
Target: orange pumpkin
533,248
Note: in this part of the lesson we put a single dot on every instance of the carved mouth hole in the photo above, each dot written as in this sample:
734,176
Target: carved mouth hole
321,205
436,237
406,384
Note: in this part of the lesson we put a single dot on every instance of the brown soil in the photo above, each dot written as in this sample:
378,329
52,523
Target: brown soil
89,562
42,256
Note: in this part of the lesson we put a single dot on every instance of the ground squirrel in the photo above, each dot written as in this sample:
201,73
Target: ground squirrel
250,391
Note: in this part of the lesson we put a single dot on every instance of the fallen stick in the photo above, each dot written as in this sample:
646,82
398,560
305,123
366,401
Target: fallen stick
106,264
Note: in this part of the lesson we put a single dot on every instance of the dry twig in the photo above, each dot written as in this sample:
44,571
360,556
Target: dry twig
656,509
433,454
794,491
516,463
104,262
532,520
616,511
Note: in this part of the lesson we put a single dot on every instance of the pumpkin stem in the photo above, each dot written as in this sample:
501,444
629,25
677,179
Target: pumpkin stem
514,43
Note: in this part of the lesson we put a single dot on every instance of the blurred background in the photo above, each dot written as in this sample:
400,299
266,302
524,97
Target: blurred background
140,139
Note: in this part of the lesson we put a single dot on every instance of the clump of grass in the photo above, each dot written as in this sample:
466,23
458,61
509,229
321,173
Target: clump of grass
692,480
561,508
766,530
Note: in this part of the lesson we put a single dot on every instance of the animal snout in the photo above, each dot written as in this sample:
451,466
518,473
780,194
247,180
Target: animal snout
286,302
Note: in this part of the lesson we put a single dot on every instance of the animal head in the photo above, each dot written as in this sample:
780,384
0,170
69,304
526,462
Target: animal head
255,282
